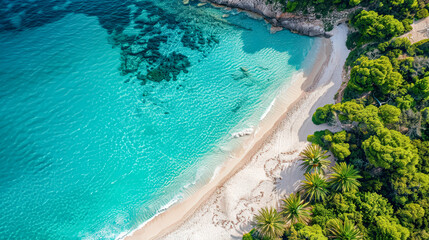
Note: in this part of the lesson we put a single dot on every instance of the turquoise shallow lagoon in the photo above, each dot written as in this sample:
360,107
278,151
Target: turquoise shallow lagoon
113,110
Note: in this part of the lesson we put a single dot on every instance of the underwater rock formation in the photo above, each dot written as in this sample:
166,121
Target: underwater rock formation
150,36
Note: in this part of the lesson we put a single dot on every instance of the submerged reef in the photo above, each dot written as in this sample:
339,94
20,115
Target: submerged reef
146,50
155,39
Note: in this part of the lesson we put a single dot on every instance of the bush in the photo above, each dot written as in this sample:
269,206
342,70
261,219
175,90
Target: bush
405,102
422,13
373,26
389,113
407,25
353,40
323,115
248,236
354,2
291,6
341,150
321,138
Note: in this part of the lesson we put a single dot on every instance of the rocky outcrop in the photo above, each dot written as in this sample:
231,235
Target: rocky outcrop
302,24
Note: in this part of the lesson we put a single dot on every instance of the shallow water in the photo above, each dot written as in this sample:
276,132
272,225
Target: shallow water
112,110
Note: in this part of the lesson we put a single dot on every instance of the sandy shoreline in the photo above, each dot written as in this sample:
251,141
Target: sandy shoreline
419,32
258,166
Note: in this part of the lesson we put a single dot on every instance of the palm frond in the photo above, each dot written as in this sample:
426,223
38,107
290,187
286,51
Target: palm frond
343,230
269,224
314,187
314,159
295,209
344,177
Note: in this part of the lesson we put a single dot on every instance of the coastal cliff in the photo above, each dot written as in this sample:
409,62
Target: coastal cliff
305,24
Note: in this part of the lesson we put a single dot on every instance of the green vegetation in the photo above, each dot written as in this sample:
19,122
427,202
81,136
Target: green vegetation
314,187
422,13
374,75
379,185
269,224
314,159
372,26
323,115
344,178
295,209
343,230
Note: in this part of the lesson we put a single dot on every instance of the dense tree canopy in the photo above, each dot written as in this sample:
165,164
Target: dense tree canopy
379,187
421,89
372,25
390,149
390,229
389,113
368,75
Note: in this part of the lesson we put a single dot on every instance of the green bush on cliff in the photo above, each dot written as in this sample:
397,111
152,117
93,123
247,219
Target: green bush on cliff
291,6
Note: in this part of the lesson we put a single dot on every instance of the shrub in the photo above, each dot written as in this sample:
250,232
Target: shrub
372,25
291,6
323,115
248,236
422,13
389,113
354,2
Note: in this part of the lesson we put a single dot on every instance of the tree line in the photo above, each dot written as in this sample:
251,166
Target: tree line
378,187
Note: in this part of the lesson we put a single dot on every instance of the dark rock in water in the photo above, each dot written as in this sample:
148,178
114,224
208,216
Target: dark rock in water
130,63
166,113
157,75
137,48
236,107
153,43
144,56
169,68
125,46
142,78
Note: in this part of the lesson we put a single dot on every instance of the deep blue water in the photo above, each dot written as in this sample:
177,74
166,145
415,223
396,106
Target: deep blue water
113,110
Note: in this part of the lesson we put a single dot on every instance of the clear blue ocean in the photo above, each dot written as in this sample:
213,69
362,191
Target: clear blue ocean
112,110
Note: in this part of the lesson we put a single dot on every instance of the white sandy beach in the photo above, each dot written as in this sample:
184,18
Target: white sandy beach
265,168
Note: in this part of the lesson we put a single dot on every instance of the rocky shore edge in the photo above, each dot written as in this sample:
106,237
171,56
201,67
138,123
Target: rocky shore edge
298,23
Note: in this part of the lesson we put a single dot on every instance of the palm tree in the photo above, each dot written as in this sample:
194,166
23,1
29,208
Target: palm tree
314,159
295,209
343,231
344,177
269,224
314,187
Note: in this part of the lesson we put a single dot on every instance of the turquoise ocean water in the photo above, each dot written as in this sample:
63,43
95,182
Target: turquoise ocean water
110,111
